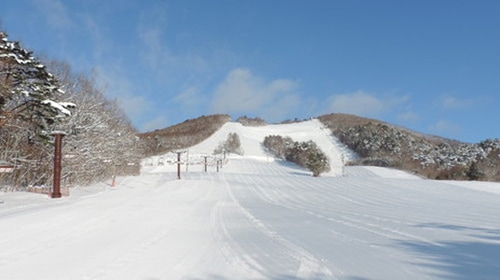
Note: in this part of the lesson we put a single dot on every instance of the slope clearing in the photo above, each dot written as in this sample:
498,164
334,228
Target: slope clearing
256,219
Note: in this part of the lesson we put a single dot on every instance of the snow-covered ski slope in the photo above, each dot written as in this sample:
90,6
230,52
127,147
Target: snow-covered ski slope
256,219
252,137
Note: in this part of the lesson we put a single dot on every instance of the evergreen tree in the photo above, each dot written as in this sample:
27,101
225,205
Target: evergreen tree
474,173
27,88
317,162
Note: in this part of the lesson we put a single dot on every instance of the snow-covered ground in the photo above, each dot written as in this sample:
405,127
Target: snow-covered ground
257,218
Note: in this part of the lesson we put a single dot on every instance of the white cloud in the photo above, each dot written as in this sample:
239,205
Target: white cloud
365,104
120,88
284,107
102,46
451,102
241,92
189,98
444,127
150,31
357,103
409,116
55,13
167,64
134,105
156,123
282,85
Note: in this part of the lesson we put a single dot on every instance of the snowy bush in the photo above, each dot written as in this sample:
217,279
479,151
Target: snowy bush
231,145
305,154
277,145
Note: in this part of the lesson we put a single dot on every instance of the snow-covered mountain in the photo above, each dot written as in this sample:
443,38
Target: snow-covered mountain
251,138
383,144
256,218
375,142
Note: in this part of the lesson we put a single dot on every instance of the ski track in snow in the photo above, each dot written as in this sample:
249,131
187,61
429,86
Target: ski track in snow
257,219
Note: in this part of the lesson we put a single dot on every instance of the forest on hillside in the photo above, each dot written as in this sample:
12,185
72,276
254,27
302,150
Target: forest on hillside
382,144
38,98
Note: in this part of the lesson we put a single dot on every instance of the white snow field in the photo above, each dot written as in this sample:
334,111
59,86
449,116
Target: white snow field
257,218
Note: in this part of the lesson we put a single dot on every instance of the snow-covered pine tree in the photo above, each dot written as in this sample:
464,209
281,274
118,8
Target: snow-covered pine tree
317,161
27,88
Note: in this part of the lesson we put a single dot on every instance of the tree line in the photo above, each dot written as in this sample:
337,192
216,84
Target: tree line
182,135
37,99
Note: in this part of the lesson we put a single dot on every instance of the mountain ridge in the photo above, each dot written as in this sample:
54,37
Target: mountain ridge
375,142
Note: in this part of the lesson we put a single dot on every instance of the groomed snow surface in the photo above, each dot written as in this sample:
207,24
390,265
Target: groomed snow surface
257,218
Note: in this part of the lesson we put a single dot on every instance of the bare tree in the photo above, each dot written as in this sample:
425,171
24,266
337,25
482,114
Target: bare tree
101,141
231,145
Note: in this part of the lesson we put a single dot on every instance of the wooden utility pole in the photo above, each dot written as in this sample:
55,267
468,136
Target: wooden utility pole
56,188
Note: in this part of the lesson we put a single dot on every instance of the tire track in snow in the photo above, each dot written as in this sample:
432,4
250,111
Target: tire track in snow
169,227
240,265
308,265
267,187
360,221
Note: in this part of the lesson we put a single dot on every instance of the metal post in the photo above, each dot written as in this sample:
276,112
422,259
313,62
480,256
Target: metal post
178,165
113,178
56,189
343,165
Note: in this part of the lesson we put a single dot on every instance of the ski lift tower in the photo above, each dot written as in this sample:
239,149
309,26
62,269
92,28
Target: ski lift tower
179,152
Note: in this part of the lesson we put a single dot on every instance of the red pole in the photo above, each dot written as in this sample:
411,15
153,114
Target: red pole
56,190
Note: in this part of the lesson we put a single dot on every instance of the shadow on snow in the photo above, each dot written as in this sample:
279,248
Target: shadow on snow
472,259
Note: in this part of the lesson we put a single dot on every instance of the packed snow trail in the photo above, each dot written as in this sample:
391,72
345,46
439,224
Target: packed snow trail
257,218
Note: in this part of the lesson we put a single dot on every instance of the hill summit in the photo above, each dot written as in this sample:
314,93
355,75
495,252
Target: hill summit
364,142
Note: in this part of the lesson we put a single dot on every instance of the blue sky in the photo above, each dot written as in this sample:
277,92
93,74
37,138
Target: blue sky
428,65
